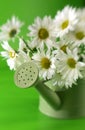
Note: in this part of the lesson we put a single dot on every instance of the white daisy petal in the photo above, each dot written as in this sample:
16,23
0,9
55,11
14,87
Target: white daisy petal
4,54
6,46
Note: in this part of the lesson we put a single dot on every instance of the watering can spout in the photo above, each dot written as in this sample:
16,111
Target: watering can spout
51,97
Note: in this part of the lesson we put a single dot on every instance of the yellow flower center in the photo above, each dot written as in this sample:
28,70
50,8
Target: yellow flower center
65,24
43,33
80,35
45,63
63,48
71,62
12,54
12,33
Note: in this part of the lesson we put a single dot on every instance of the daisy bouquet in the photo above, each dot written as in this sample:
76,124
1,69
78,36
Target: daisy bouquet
56,45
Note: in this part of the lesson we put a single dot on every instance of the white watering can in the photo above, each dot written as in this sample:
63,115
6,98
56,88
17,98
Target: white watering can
65,103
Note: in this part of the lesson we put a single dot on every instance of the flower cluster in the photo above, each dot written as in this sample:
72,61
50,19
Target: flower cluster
56,45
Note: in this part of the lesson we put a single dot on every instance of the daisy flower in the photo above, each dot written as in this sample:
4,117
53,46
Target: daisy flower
45,63
65,20
69,66
14,59
62,44
78,35
42,31
10,29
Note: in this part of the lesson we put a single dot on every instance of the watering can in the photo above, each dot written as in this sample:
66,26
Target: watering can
63,103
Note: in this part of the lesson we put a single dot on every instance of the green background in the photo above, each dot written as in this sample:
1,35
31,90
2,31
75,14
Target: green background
19,107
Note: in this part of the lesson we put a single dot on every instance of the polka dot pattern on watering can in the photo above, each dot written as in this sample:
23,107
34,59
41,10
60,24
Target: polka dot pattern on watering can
26,75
